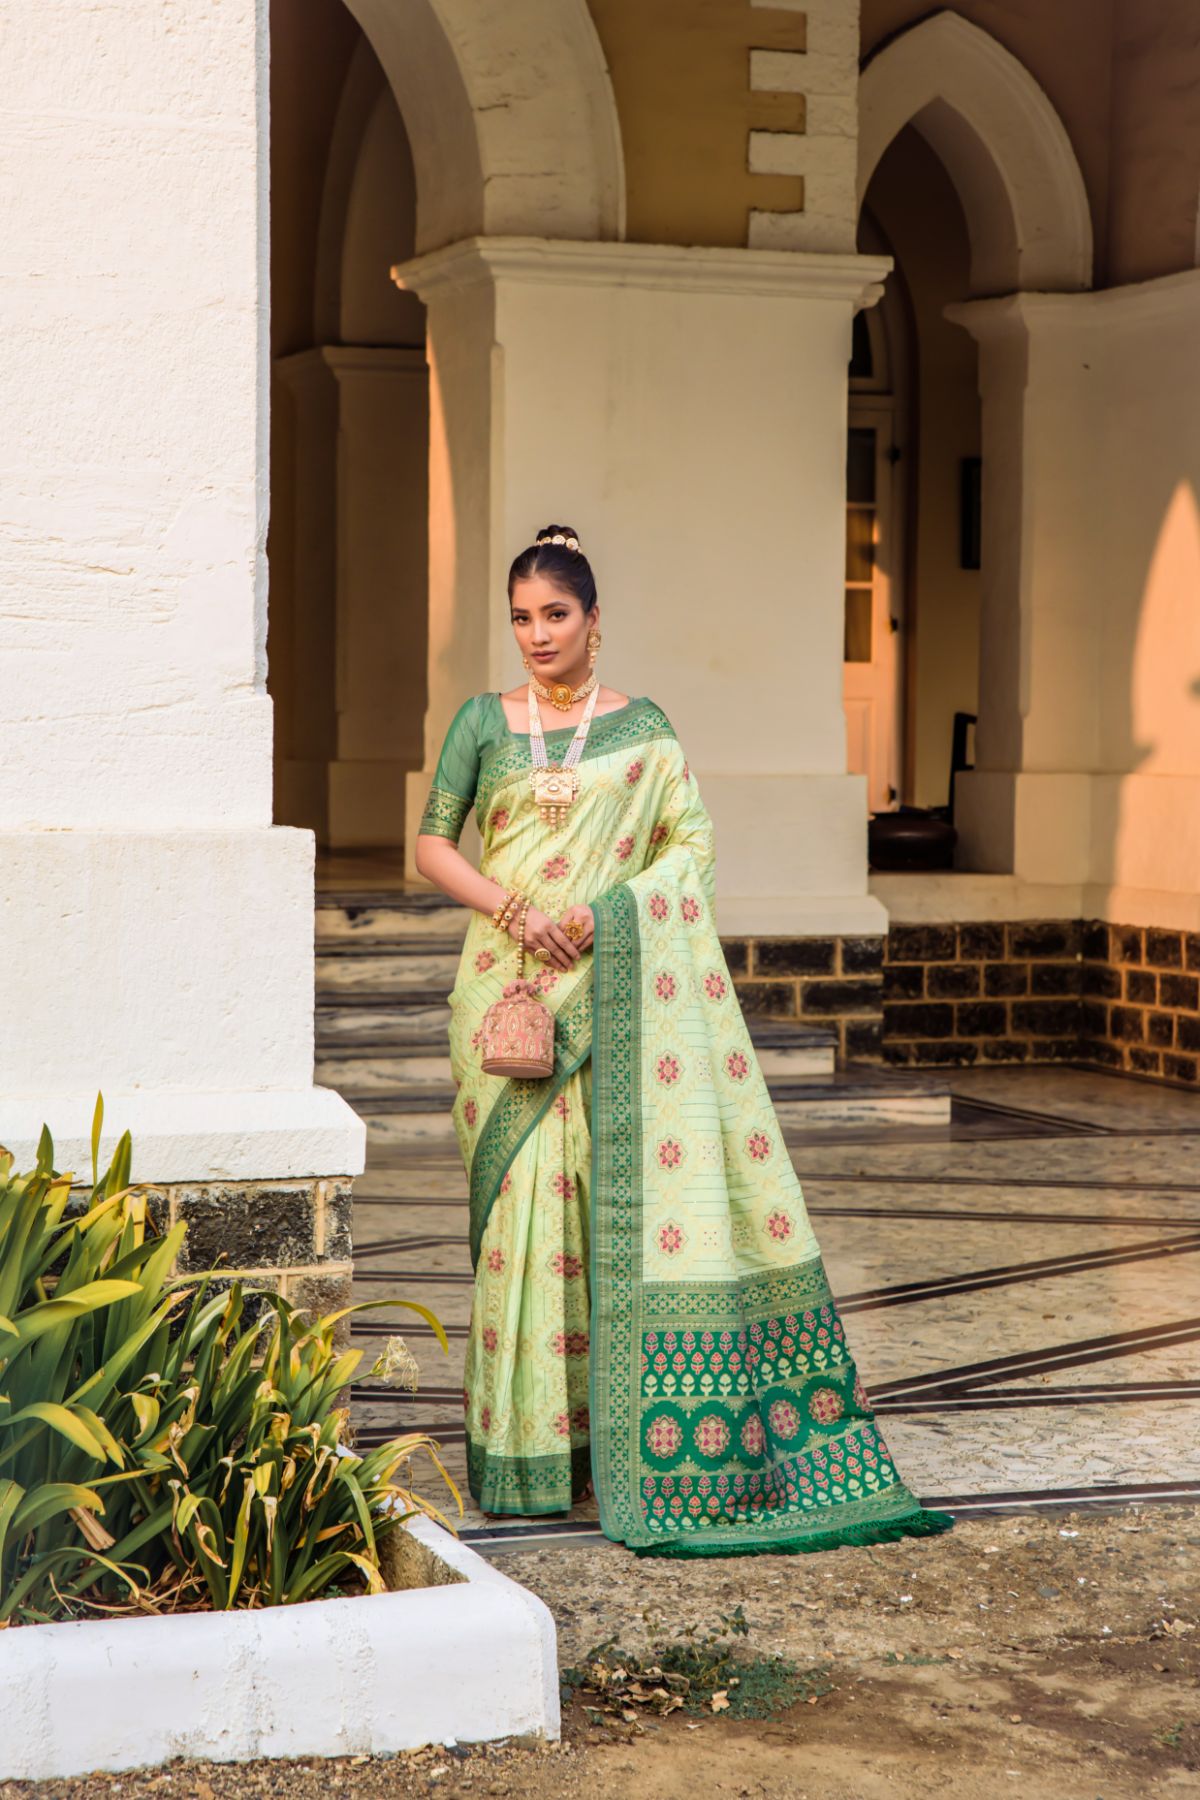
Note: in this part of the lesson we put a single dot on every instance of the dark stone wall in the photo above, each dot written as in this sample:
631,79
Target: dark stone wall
1120,997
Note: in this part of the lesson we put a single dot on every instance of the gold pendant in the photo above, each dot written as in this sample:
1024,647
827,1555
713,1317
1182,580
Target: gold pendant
561,695
554,788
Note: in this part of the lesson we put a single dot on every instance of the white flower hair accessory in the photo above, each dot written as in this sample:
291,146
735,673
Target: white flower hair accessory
571,543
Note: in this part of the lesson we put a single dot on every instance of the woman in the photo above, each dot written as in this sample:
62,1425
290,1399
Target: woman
650,1306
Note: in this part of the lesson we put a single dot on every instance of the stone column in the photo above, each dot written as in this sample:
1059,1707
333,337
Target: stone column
685,409
1088,755
157,929
382,645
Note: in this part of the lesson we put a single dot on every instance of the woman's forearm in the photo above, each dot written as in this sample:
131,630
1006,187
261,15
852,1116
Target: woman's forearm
444,864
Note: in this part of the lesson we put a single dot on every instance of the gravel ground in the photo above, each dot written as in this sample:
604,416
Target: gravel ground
1058,1654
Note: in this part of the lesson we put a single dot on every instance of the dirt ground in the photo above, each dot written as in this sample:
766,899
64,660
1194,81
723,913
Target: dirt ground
1050,1656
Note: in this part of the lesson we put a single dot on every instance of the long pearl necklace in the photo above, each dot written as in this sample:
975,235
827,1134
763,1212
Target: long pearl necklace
555,785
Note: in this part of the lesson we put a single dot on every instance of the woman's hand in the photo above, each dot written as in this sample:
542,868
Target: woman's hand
542,932
586,919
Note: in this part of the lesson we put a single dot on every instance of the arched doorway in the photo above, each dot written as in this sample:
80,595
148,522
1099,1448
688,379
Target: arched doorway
967,178
398,126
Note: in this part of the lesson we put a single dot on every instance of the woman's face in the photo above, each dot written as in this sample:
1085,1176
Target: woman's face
551,628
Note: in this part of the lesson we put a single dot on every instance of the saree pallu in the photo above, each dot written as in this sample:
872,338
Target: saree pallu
651,1308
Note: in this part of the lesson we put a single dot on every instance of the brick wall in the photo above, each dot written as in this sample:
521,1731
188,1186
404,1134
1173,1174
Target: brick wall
834,982
1035,991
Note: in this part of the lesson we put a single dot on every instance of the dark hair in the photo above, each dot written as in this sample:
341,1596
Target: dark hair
569,570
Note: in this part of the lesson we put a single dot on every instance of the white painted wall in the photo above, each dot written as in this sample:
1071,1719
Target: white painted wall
685,410
157,931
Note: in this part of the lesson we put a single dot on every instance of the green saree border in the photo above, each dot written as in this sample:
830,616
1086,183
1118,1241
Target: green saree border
614,1259
621,1309
520,1107
642,722
520,1484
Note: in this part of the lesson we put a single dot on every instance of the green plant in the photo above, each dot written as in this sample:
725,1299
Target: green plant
159,1449
704,1674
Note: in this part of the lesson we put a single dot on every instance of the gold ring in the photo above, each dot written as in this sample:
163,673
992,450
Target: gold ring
542,954
574,929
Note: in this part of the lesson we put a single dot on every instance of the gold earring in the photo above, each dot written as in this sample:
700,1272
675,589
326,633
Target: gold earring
594,641
525,660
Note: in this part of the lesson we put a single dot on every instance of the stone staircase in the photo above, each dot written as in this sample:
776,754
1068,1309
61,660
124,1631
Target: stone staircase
385,964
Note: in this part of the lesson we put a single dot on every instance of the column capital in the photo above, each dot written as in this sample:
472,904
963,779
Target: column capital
676,268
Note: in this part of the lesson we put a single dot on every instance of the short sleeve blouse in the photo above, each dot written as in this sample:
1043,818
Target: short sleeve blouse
456,777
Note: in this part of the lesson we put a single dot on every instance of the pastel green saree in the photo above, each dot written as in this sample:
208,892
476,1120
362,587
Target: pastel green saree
651,1310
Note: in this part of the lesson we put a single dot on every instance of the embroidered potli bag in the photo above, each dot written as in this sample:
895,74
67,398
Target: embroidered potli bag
518,1030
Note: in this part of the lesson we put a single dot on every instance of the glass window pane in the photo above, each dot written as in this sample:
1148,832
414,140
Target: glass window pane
858,625
860,464
860,545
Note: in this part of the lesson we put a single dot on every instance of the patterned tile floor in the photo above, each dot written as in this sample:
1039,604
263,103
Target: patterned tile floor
1021,1290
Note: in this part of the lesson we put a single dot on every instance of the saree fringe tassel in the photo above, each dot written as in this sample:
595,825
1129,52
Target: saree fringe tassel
926,1523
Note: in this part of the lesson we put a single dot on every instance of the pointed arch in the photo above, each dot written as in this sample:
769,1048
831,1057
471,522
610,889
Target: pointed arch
510,113
1003,145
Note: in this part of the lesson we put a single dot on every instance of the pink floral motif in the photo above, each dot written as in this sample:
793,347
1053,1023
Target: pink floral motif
712,1435
577,1343
670,1239
470,1111
580,1418
667,1070
562,1425
483,962
564,1263
665,985
670,1153
689,906
555,867
660,834
477,1037
758,1145
490,1340
633,773
623,849
564,1187
783,1418
779,1226
495,1261
753,1436
507,1182
826,1405
686,772
485,1418
499,818
715,985
561,1107
664,1436
861,1398
736,1066
546,979
657,906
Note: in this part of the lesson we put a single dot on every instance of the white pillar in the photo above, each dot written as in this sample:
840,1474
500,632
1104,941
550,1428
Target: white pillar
156,928
1088,763
685,409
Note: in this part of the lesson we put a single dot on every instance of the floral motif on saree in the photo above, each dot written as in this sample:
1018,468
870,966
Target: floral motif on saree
651,1307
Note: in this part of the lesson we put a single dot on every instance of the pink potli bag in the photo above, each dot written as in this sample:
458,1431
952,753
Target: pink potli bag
518,1028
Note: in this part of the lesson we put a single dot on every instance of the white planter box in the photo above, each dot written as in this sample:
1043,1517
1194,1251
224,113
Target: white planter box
472,1658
